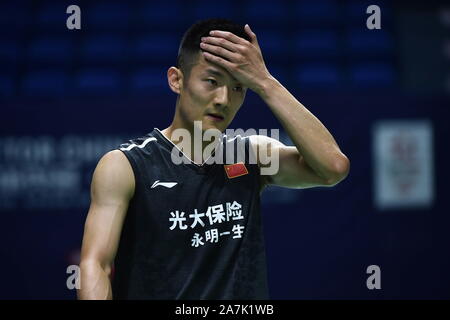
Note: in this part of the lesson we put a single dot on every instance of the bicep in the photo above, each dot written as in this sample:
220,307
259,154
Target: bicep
294,172
287,166
111,189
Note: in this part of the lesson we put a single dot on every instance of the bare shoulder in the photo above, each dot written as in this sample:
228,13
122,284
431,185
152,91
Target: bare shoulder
114,175
115,158
112,188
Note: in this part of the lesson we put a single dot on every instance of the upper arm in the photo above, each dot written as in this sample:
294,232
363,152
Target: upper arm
112,188
289,168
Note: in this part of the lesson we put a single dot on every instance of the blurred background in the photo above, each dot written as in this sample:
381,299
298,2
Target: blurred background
69,96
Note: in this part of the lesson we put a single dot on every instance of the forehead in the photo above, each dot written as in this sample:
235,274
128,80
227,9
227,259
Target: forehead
204,67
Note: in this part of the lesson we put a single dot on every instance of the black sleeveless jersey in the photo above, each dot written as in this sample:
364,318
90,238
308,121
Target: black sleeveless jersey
191,231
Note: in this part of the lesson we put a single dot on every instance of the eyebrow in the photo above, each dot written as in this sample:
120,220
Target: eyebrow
219,74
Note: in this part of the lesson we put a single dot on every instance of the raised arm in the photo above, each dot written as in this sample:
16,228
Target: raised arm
291,169
316,159
112,188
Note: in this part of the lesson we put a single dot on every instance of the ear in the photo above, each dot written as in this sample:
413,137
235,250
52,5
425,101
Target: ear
175,79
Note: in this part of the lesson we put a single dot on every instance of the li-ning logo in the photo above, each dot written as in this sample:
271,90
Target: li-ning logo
163,184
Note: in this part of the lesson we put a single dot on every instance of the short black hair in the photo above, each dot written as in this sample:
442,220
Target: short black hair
190,43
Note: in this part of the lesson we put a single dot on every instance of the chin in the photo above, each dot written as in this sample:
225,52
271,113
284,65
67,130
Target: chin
207,126
220,127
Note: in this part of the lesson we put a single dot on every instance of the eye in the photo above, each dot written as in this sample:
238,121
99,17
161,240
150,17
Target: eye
238,89
211,81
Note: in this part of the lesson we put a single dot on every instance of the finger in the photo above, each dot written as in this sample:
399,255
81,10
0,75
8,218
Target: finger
251,34
221,42
218,60
229,36
219,51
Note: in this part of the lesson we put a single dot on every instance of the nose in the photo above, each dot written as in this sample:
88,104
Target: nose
222,97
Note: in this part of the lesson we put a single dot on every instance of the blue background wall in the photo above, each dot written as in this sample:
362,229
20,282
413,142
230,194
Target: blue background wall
81,92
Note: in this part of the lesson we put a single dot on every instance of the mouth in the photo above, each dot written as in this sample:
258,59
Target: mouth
215,116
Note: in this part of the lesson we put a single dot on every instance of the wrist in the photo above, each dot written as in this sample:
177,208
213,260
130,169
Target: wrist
266,86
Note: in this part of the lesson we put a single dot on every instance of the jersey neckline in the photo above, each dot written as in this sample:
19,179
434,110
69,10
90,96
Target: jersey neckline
171,145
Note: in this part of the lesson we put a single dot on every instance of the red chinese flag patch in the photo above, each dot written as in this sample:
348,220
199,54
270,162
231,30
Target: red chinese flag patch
235,170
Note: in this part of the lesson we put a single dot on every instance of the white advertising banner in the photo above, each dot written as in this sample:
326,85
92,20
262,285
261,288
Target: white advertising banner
403,164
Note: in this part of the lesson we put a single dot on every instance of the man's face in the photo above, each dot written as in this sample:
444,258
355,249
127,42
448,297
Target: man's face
210,95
